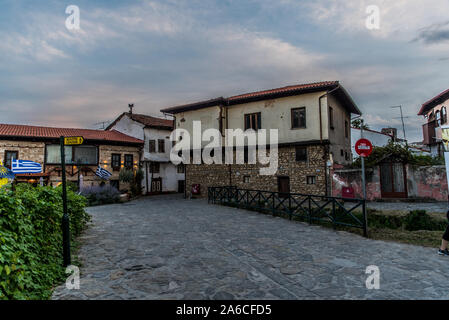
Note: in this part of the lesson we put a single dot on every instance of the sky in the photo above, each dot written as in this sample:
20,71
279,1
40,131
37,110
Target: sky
158,54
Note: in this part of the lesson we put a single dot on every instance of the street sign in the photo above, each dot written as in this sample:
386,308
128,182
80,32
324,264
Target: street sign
363,147
70,141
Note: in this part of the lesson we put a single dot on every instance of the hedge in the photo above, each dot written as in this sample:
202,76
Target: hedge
31,239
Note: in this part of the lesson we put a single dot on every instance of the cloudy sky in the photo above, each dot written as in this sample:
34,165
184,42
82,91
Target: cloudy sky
162,53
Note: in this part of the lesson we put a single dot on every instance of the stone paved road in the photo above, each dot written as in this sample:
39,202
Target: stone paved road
166,247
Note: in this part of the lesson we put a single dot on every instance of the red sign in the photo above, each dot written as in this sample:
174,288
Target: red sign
363,147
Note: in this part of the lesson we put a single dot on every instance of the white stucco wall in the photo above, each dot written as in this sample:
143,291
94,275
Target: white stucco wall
377,139
167,171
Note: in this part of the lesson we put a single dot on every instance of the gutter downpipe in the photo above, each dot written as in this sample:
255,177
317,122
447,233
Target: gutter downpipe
326,173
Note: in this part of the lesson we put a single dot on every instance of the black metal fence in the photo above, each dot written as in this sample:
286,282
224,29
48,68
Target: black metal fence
337,211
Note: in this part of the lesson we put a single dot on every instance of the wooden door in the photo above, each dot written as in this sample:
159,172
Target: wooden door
283,186
393,180
156,185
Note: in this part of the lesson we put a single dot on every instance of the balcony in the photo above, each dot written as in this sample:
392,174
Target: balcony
429,133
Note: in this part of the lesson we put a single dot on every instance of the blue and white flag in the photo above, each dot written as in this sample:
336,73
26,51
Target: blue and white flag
103,173
25,166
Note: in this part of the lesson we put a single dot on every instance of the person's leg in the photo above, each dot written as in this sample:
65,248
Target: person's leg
445,240
444,244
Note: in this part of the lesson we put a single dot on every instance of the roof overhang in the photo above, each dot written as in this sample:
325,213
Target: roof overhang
195,106
427,106
337,90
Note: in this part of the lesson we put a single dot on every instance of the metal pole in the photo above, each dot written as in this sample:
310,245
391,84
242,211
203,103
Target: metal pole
65,216
363,166
365,218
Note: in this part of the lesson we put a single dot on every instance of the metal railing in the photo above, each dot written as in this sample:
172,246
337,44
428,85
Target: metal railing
311,208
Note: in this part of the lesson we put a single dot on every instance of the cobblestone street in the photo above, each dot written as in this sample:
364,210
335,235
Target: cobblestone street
165,247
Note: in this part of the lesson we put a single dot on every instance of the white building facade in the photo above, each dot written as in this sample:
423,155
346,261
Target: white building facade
377,139
160,175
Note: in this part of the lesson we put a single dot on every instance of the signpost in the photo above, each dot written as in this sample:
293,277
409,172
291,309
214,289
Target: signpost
364,148
63,141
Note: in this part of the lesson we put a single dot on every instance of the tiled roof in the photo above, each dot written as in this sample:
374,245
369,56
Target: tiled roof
151,121
24,131
299,87
427,106
147,121
340,92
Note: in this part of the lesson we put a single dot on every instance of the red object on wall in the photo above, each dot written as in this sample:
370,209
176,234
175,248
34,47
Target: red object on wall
363,147
348,192
196,188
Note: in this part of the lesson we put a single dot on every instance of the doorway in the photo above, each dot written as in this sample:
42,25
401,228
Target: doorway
283,186
181,184
156,185
393,180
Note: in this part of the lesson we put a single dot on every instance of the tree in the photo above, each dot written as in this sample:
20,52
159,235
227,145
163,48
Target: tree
359,123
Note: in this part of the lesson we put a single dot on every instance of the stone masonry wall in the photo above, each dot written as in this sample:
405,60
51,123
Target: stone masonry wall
28,150
225,175
35,151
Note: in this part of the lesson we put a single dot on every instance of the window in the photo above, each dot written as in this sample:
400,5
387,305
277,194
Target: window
301,154
76,155
298,118
246,179
438,118
84,155
128,161
331,118
253,121
9,155
311,179
180,168
116,161
346,129
154,167
443,115
346,156
341,152
152,146
161,146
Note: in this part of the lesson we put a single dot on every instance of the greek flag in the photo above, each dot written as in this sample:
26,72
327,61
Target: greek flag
25,166
103,173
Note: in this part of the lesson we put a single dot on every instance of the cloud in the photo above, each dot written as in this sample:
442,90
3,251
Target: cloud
398,18
434,33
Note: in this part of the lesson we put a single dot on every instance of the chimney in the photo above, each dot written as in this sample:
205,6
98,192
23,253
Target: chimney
131,106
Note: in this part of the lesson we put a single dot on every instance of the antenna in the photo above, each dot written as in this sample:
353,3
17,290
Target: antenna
103,124
403,125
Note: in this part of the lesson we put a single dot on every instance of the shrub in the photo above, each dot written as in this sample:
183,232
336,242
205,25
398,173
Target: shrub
98,195
420,220
31,239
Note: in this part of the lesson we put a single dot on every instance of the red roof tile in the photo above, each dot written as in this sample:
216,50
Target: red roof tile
340,92
151,121
147,121
14,130
428,105
287,89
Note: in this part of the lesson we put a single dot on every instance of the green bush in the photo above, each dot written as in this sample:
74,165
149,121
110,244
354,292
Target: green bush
31,239
420,220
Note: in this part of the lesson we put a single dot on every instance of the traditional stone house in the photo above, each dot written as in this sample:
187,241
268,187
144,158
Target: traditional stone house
160,175
41,144
314,131
435,112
